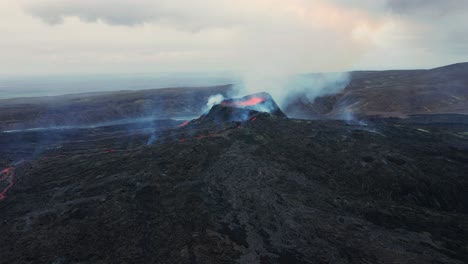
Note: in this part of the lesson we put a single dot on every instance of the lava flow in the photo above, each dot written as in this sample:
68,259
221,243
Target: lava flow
185,123
212,134
7,175
247,102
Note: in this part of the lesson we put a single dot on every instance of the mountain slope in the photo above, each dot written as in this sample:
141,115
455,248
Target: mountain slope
393,93
269,190
93,108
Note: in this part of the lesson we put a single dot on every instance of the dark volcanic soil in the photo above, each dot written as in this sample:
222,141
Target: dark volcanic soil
269,190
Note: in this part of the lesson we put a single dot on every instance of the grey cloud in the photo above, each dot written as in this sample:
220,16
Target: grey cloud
427,7
254,36
437,26
208,13
120,13
189,16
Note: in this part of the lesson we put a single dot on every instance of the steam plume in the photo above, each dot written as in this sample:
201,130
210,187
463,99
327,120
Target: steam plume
213,100
285,88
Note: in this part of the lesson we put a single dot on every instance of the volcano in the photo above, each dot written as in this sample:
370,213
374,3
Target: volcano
220,119
243,109
240,184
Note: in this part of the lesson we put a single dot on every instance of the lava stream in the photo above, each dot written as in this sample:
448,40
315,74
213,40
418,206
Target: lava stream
110,151
184,124
8,175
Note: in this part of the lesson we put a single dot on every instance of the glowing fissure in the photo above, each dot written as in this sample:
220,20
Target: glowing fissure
7,175
250,102
212,134
184,124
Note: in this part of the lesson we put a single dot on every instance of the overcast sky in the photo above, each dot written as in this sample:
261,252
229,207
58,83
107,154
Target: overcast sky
274,36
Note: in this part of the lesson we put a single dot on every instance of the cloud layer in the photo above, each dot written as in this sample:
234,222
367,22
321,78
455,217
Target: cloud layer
249,37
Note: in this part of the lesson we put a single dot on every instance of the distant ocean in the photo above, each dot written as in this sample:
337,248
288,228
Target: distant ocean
13,87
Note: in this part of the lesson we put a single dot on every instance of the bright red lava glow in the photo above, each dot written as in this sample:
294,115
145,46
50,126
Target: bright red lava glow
184,124
9,176
250,102
253,118
212,134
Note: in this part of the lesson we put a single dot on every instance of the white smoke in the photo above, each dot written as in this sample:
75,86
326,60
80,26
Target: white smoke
153,138
213,100
287,88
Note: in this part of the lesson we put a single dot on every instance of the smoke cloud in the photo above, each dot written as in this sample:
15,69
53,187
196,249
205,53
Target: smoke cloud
286,88
213,100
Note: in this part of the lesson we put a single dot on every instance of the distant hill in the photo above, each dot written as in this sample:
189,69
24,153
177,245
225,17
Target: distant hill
92,108
396,93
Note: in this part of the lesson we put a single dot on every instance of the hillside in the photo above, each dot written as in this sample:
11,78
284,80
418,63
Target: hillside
393,93
92,108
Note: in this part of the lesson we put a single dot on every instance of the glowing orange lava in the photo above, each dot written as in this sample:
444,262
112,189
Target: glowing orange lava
250,102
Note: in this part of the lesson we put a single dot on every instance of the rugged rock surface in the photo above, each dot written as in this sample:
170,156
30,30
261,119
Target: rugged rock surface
268,190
